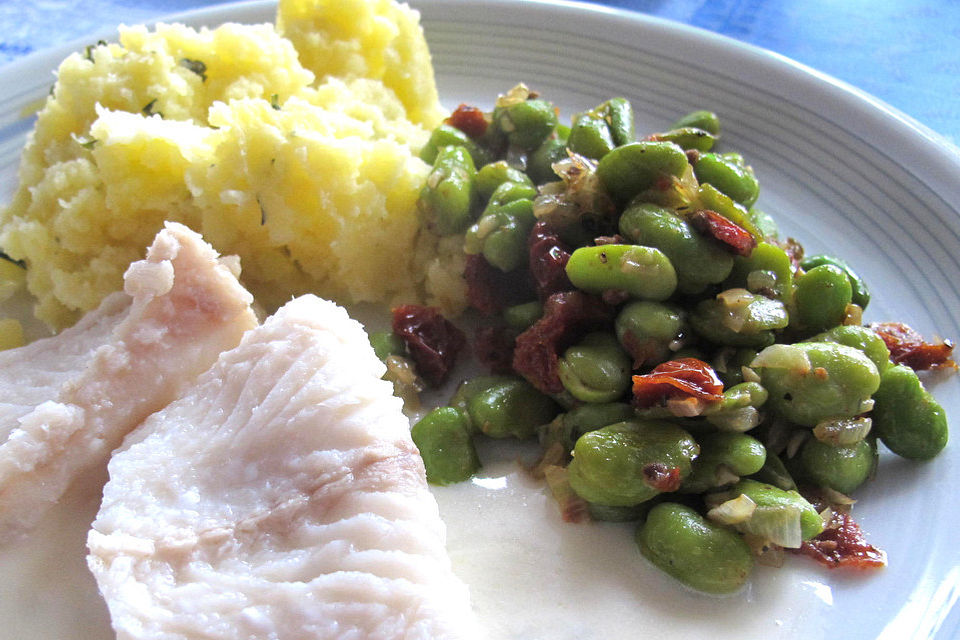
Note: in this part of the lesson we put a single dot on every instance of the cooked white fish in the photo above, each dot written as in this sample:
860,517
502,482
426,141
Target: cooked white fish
281,497
69,400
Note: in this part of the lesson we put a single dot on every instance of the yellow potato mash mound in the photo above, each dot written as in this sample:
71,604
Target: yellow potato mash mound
310,175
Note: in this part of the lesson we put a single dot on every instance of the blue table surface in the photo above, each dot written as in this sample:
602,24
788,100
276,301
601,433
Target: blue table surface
905,52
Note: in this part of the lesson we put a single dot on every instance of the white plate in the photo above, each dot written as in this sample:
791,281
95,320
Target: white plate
840,171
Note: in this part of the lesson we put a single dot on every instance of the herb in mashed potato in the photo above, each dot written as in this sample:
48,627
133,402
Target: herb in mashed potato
319,196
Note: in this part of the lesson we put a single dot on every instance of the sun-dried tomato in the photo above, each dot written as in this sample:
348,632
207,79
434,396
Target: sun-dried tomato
493,347
908,347
732,235
843,545
469,119
681,378
490,290
432,341
548,260
661,477
566,316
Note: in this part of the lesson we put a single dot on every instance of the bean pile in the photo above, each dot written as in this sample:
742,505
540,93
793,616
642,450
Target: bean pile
683,365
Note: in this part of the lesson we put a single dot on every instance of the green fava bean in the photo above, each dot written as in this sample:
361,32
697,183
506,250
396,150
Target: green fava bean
765,257
688,138
643,272
812,381
508,192
491,176
629,462
858,337
764,223
387,343
596,369
528,123
724,457
700,554
821,297
471,387
501,234
698,261
702,119
648,330
860,291
596,415
738,318
449,200
443,438
590,136
728,173
909,421
446,135
540,161
842,469
769,497
775,472
619,114
629,169
512,408
520,317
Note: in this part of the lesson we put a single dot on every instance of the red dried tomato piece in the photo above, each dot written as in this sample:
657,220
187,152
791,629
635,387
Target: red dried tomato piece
908,347
843,545
566,316
432,341
490,290
493,347
682,378
468,119
735,237
548,260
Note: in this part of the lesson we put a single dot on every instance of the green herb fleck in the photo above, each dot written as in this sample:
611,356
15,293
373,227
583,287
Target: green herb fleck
275,101
88,51
196,66
148,109
87,144
263,211
19,263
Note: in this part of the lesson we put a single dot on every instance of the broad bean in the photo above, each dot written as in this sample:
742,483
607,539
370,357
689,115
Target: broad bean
443,438
842,469
907,417
812,381
629,462
700,554
643,272
629,169
596,369
698,260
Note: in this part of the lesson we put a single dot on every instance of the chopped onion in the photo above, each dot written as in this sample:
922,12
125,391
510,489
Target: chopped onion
406,384
796,441
749,375
842,432
686,407
779,525
835,498
783,356
735,298
852,315
761,280
518,94
732,512
765,552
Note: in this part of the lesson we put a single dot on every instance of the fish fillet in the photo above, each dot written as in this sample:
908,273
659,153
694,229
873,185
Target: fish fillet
69,400
281,497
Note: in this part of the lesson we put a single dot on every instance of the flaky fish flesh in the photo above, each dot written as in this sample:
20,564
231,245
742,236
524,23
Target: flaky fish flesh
67,401
279,498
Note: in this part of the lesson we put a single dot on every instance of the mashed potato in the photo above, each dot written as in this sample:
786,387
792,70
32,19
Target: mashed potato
306,171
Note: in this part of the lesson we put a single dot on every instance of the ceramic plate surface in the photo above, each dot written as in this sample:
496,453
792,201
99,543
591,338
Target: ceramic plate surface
840,171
